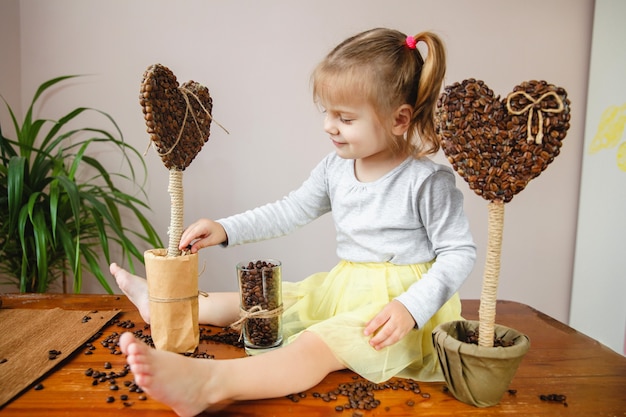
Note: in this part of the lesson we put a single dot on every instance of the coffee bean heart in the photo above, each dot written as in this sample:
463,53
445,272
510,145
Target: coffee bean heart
178,118
498,146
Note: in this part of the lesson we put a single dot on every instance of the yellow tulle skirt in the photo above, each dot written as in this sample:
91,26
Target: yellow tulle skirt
337,304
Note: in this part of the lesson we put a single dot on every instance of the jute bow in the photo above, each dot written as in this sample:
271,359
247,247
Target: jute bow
530,109
256,312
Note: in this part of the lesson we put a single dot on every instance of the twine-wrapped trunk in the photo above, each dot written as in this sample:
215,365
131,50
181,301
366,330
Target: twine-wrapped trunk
175,188
491,275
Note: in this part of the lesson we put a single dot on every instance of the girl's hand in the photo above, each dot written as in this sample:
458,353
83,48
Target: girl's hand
201,234
390,325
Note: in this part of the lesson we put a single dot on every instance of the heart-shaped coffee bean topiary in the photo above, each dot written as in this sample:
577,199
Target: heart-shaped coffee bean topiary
178,118
496,145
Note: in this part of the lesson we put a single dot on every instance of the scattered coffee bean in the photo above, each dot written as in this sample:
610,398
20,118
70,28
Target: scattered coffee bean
39,387
227,336
53,354
557,398
110,399
107,365
126,324
361,393
3,360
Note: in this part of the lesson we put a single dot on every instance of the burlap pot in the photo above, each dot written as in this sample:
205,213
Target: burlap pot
173,295
478,375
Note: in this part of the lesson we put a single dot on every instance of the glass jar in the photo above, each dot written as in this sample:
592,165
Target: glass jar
260,292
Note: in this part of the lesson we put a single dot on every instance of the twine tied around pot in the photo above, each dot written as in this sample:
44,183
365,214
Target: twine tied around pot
256,312
175,300
530,109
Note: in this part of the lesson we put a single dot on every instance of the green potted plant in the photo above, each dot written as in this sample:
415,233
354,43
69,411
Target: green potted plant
61,210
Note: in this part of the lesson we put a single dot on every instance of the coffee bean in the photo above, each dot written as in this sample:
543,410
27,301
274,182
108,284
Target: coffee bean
39,387
489,146
260,287
53,353
172,112
471,336
110,399
560,398
361,393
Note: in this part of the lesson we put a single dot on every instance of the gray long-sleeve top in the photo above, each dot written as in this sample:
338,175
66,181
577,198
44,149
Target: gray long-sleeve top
413,214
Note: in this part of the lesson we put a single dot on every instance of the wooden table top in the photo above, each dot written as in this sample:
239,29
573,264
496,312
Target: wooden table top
560,361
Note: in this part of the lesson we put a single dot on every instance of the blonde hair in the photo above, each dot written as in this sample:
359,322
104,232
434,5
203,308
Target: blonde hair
379,67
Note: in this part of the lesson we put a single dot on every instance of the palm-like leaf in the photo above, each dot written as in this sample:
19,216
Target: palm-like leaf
54,222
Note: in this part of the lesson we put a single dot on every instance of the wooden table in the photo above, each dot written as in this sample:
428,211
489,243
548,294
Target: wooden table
560,361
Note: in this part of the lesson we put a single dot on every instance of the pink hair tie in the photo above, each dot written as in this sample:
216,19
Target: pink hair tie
411,42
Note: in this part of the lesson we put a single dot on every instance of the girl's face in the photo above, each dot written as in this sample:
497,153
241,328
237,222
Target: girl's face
356,132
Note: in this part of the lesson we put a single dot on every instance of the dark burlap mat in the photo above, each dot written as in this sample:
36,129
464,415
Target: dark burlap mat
27,337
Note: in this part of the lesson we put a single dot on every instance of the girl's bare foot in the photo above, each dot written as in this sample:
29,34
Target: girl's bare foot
170,378
135,288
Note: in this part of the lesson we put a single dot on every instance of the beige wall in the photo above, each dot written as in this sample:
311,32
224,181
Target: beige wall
256,57
9,57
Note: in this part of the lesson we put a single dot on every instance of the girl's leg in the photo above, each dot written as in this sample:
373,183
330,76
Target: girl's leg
218,309
190,386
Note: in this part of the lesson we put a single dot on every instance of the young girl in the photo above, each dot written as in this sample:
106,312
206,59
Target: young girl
403,240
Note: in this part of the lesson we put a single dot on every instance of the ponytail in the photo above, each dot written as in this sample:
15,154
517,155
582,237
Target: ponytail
429,88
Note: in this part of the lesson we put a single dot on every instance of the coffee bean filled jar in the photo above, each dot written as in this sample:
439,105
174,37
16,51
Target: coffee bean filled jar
261,304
